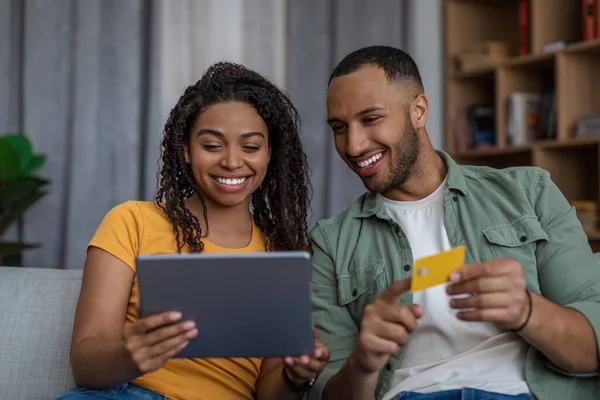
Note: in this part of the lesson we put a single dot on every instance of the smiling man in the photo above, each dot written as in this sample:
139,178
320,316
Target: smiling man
520,320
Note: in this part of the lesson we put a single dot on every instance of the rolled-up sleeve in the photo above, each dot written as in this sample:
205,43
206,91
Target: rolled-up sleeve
568,270
337,328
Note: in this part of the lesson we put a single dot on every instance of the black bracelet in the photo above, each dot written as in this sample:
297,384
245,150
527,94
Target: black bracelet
519,329
291,385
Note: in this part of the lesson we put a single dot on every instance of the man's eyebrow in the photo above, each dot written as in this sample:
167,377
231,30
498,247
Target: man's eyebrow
358,114
369,110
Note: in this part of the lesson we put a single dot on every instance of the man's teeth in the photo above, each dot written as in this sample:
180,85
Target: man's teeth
368,162
232,182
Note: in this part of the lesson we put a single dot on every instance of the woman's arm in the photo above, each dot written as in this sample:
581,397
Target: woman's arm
273,385
103,355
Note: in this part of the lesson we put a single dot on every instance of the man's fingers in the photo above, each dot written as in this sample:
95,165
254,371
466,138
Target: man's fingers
392,292
488,284
316,335
488,300
398,315
488,268
377,344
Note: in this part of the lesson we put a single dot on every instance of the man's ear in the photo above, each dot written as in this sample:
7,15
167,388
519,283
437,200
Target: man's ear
419,111
186,153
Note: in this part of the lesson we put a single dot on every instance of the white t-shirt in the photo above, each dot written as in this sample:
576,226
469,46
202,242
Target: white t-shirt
444,352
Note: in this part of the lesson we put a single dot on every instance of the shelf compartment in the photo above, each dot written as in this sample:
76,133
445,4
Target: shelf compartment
578,87
574,168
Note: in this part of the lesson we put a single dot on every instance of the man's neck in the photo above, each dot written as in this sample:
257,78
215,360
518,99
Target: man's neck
428,175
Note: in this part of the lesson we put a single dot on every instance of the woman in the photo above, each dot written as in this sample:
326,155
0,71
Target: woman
231,142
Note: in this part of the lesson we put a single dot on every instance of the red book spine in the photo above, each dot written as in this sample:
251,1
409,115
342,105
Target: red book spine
589,11
524,27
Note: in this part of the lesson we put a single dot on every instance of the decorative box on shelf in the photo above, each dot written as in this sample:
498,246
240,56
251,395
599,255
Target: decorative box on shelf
481,55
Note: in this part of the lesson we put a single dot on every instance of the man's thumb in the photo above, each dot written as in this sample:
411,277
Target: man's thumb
392,292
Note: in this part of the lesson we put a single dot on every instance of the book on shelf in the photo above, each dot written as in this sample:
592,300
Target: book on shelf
589,14
588,125
522,124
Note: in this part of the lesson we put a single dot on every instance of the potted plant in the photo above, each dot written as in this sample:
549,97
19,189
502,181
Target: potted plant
20,189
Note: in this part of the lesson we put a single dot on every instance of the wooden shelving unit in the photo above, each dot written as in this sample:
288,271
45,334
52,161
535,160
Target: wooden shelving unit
573,73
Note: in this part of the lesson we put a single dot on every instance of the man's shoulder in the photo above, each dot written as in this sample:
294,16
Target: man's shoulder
525,178
328,229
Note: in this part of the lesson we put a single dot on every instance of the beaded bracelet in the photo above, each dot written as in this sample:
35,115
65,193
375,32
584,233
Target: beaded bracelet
519,329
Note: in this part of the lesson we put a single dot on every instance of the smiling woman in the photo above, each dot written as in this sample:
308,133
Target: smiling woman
231,142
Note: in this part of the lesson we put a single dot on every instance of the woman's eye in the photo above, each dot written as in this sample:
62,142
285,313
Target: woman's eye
251,148
211,147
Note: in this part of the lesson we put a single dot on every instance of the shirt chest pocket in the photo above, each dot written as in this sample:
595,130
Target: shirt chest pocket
360,286
518,240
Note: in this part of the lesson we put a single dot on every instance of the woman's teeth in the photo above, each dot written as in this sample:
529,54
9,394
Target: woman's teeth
368,162
232,182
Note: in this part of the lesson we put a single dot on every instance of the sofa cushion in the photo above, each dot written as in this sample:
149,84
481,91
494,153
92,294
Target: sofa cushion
36,318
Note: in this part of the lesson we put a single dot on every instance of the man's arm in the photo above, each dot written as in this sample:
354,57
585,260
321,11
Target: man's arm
358,354
337,328
565,325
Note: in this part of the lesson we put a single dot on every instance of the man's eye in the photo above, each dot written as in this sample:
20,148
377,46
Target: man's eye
370,120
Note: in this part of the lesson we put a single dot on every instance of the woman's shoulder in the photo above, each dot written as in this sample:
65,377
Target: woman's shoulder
136,209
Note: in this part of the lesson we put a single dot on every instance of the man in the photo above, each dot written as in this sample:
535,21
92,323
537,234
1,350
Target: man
520,319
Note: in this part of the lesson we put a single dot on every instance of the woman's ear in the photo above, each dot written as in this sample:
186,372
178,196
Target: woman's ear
186,153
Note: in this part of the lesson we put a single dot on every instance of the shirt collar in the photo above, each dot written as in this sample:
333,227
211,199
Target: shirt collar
373,202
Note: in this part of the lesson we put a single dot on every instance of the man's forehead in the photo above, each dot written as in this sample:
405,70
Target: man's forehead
365,88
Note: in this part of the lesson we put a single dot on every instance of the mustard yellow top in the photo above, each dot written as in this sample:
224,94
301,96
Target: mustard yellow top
137,228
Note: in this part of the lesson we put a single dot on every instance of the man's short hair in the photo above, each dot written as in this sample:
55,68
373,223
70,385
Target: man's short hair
397,64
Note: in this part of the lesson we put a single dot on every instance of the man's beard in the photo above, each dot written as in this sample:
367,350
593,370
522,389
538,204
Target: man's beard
407,151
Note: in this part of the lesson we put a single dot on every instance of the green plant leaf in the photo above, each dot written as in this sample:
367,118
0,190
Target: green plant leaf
15,212
22,147
35,162
15,190
14,260
9,161
9,249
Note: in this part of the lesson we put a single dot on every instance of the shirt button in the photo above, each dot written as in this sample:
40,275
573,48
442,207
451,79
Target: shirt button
354,292
523,239
407,267
455,198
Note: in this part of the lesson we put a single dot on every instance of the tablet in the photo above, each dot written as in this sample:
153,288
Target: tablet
243,304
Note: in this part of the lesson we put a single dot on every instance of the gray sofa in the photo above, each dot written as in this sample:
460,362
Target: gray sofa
36,318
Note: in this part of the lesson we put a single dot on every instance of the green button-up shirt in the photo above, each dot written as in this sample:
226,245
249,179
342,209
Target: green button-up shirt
516,212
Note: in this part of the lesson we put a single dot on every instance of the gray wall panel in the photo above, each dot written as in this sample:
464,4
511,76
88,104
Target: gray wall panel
309,65
10,74
47,85
359,23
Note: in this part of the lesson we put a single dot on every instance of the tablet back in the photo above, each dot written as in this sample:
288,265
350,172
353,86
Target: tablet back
243,304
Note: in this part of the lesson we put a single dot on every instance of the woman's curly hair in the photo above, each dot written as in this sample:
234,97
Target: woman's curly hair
281,202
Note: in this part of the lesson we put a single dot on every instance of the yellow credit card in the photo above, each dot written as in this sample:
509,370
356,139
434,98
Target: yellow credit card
436,269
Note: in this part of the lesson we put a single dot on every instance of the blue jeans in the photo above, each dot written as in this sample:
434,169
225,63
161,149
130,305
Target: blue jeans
123,392
461,394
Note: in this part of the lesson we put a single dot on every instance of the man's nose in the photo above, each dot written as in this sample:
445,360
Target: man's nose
357,142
